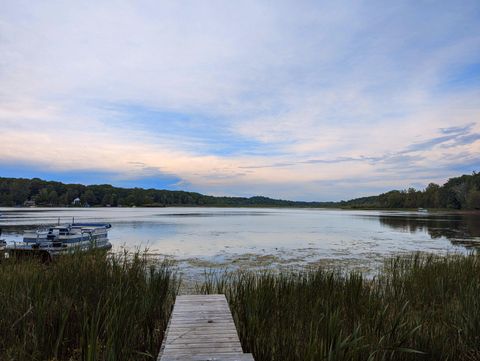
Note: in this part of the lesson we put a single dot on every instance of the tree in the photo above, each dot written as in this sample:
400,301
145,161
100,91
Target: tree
20,191
460,191
411,198
70,195
395,199
473,199
89,197
130,200
43,196
430,196
107,200
53,198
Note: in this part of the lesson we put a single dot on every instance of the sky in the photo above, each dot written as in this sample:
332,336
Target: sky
302,100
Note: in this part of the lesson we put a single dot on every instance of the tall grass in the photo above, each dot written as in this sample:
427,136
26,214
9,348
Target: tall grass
97,307
84,307
417,308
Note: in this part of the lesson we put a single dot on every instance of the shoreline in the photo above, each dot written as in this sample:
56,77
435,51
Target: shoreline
428,210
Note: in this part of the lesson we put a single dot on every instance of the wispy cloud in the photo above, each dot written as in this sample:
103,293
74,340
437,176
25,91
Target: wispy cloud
301,100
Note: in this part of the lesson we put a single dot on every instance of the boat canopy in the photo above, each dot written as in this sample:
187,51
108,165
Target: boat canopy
106,225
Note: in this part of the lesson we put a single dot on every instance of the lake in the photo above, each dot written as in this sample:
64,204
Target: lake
203,238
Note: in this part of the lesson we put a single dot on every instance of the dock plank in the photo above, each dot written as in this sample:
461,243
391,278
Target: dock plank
219,357
201,328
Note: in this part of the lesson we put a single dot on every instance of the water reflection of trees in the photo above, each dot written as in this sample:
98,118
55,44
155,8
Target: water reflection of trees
459,229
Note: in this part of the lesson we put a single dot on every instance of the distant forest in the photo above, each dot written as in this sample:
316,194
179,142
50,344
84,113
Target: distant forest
20,192
458,193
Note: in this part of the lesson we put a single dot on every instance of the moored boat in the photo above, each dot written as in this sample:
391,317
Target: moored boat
61,239
3,243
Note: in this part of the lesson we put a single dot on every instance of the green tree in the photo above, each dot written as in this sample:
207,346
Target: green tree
473,199
395,199
130,200
89,198
411,198
107,200
430,196
20,191
53,198
43,196
70,195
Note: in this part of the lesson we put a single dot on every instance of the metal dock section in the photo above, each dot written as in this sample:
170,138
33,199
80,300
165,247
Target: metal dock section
201,328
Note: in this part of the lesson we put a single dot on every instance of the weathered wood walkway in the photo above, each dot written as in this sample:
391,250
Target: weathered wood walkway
201,328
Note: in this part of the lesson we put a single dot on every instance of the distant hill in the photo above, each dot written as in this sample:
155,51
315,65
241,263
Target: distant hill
20,191
458,193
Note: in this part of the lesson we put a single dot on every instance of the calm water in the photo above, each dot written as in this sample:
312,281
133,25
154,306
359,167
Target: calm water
200,238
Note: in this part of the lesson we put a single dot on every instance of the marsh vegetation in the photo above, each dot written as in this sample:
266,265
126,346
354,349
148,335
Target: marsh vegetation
84,307
93,307
419,307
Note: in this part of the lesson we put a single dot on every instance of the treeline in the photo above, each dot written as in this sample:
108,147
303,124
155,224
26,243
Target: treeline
28,192
458,193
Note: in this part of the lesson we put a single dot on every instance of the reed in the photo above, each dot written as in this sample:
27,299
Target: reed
84,307
418,307
97,307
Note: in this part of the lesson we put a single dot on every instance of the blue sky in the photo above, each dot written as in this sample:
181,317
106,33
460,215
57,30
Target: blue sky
304,100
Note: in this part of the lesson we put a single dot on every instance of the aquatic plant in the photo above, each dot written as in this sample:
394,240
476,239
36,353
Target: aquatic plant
84,307
419,307
97,307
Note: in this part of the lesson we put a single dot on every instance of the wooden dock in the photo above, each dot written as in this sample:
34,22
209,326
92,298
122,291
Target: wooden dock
201,328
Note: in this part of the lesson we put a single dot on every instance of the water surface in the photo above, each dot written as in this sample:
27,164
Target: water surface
200,238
